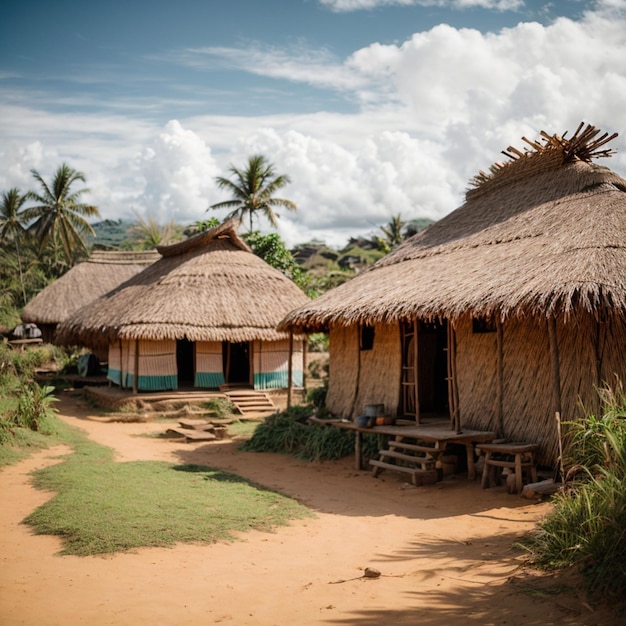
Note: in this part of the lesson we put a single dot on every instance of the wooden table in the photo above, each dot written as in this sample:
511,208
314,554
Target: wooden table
440,435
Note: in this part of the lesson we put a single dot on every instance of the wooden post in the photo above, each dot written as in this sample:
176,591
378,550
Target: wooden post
416,369
305,358
358,370
455,388
500,374
556,370
290,369
136,368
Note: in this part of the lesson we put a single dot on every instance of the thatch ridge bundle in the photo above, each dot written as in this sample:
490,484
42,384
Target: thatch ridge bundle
210,287
543,235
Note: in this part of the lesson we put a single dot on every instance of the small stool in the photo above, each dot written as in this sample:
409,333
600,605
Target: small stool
518,457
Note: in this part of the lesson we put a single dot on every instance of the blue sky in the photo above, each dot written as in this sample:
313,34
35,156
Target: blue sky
373,107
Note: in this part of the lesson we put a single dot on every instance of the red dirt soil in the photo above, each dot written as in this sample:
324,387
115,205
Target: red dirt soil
444,552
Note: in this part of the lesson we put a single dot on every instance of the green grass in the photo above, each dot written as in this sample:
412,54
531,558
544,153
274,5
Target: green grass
104,507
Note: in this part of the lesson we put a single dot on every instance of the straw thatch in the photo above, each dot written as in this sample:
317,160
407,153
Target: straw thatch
209,287
82,284
543,235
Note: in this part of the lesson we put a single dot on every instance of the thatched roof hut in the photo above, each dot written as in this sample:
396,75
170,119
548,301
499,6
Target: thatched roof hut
536,254
102,271
207,290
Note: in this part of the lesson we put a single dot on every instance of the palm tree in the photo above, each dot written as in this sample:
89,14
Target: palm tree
12,222
393,231
148,233
252,191
59,216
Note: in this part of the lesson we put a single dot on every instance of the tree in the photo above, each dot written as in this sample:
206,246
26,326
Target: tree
12,229
393,232
59,216
253,191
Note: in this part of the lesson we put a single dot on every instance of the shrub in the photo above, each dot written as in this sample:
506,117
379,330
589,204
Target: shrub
288,432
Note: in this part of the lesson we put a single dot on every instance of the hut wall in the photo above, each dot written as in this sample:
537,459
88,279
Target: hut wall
271,364
361,377
157,365
114,373
380,371
477,376
611,350
209,364
343,355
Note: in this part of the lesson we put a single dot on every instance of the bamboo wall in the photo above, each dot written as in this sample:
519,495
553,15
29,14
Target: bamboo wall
360,377
157,368
209,364
589,354
271,364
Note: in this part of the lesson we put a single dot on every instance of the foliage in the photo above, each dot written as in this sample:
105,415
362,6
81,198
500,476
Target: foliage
289,433
318,342
34,407
273,251
253,191
201,226
220,407
317,396
586,526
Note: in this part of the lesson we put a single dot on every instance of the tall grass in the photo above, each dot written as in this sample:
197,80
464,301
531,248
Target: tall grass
587,526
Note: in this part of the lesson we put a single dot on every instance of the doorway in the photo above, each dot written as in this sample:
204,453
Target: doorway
432,369
236,361
185,362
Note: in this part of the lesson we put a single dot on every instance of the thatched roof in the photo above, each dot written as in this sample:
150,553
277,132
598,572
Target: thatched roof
544,234
82,284
209,287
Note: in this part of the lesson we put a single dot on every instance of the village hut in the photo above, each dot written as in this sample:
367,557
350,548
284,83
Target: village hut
509,310
204,315
102,271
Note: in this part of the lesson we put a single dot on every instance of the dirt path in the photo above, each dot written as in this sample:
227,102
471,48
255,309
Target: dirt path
443,550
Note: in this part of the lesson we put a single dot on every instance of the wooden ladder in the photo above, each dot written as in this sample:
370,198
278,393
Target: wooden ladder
417,459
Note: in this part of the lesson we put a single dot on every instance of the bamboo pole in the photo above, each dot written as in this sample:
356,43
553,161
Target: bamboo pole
305,358
358,370
136,368
455,386
450,374
416,389
500,374
290,369
556,371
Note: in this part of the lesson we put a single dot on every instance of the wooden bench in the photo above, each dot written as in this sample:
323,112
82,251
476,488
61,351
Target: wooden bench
516,456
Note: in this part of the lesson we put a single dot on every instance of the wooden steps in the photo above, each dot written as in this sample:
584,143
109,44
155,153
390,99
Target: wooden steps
249,401
417,459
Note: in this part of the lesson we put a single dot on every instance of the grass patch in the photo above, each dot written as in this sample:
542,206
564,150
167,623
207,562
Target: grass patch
103,507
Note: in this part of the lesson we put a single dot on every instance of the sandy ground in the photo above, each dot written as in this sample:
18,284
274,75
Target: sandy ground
444,552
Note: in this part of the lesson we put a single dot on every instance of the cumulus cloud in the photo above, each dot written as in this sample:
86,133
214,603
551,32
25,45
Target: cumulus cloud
176,175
